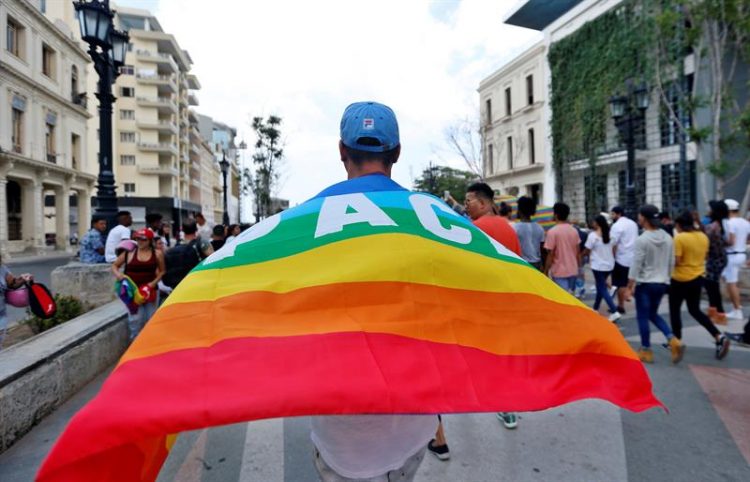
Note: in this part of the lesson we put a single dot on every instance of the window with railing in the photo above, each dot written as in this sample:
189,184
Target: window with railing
128,137
672,189
529,89
127,160
17,130
49,139
509,142
532,148
126,114
595,188
674,111
14,37
49,61
75,150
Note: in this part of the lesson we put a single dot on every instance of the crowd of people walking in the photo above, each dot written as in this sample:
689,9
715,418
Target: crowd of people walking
151,258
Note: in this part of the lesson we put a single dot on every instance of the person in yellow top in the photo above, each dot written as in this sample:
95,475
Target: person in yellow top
690,249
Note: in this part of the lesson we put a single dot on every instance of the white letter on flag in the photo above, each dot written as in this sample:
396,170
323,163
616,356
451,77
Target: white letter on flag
423,206
334,216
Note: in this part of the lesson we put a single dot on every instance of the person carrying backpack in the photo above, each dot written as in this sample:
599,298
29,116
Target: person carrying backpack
186,255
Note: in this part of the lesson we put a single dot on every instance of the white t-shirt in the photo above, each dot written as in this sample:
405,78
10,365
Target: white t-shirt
205,231
623,235
364,446
602,257
741,229
114,237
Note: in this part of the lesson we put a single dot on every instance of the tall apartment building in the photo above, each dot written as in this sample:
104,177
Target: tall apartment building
153,135
43,131
514,127
151,117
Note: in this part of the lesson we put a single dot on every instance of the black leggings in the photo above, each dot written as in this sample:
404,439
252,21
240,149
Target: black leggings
714,294
690,292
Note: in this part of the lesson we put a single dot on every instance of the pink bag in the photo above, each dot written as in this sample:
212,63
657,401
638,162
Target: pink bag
18,297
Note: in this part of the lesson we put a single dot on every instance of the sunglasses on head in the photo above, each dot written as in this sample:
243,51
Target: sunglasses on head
141,239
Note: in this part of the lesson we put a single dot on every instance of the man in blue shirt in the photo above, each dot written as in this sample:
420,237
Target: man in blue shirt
92,243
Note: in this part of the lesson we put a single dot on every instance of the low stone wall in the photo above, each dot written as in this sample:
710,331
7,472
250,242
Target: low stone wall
91,283
41,373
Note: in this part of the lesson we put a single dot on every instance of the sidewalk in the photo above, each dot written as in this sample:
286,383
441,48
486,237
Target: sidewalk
29,258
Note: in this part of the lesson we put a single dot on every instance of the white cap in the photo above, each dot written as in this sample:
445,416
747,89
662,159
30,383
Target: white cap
732,204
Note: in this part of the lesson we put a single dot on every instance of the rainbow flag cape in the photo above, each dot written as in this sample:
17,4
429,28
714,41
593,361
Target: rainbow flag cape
366,299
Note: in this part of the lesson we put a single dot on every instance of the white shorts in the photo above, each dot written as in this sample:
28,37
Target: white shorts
732,271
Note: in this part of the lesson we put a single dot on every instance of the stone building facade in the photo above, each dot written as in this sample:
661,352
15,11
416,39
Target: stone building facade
44,157
514,127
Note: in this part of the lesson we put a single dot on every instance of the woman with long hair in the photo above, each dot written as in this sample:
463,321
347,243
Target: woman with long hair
716,260
690,248
145,266
598,246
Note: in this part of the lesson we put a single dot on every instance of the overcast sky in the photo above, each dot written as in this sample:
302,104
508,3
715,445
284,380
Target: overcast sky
306,61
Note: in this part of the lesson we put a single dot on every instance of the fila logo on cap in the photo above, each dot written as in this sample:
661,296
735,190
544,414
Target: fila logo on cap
368,124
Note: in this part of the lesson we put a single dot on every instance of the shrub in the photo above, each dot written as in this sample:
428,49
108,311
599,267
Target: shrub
68,307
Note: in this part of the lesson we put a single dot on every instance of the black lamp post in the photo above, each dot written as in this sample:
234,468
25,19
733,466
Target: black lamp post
626,110
224,164
107,48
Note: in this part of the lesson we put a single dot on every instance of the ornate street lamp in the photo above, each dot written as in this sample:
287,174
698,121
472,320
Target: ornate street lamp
626,110
107,48
224,164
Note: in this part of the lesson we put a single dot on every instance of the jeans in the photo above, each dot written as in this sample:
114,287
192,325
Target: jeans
600,278
689,291
405,473
647,299
3,329
567,283
138,320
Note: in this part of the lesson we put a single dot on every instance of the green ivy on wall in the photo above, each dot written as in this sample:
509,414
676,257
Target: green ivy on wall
587,68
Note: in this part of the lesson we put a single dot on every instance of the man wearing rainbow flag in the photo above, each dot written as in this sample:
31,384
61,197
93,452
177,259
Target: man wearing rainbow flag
370,308
370,447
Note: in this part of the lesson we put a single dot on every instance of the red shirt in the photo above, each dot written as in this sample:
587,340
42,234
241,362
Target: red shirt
501,231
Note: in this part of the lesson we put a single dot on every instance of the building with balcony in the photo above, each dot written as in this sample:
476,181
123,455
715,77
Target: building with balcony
595,182
513,127
46,175
151,133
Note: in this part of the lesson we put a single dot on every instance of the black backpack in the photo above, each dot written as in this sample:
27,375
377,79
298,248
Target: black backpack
179,261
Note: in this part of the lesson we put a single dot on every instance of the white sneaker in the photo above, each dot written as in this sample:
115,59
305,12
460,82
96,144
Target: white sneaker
614,317
736,314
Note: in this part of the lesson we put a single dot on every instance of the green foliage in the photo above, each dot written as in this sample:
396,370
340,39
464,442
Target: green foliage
588,68
438,179
68,307
269,154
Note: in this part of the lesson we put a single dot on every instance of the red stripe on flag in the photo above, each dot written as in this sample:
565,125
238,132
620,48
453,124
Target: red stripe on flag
253,378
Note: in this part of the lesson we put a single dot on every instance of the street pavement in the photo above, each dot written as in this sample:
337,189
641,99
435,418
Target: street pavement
41,268
704,436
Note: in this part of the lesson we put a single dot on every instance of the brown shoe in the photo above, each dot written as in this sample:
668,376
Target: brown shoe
711,313
677,348
646,355
721,319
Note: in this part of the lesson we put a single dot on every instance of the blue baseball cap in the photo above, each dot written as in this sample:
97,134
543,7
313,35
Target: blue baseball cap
369,126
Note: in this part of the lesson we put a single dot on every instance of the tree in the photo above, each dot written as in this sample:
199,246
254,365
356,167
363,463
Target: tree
718,34
464,139
438,179
267,159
